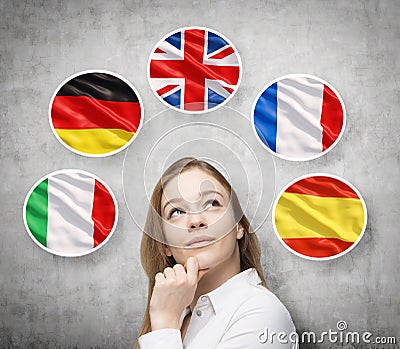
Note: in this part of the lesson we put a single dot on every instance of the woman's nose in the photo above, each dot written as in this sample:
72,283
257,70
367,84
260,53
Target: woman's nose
196,222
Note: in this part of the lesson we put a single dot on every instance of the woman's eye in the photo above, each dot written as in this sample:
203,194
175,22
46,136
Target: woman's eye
177,211
212,203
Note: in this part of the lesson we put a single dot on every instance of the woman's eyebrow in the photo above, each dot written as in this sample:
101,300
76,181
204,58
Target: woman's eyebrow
205,192
170,202
210,191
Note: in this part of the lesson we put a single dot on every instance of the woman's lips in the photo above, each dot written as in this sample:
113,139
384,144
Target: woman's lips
198,241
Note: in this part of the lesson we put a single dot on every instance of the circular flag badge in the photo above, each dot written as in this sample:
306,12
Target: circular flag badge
70,213
298,117
319,217
194,70
95,113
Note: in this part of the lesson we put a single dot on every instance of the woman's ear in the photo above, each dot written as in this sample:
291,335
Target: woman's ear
239,231
168,251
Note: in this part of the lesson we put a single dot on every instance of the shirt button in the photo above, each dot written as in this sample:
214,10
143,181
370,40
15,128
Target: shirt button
204,299
199,313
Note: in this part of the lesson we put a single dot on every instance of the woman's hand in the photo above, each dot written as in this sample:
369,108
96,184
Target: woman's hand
173,291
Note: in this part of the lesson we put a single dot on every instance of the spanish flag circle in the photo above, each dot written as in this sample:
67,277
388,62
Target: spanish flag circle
319,216
95,113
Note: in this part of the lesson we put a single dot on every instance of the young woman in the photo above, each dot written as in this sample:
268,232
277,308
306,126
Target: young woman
206,284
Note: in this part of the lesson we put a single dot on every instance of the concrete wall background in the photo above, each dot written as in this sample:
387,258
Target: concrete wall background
98,300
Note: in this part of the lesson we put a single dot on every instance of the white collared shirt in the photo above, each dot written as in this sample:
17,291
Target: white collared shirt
241,313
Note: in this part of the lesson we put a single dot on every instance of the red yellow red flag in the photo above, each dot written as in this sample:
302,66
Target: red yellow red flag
319,217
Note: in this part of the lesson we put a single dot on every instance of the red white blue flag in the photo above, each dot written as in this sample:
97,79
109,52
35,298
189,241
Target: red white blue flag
298,117
194,70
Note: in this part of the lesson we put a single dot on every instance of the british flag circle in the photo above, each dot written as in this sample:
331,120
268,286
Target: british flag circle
194,70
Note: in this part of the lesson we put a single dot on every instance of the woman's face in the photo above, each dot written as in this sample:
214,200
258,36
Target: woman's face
198,219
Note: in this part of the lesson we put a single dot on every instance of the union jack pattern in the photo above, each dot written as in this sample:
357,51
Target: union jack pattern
194,70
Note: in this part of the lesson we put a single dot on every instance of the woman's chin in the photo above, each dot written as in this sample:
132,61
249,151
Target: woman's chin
206,260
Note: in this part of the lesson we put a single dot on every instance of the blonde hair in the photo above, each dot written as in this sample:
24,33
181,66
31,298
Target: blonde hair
152,251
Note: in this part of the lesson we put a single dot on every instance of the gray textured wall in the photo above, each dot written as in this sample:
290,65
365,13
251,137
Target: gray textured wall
98,300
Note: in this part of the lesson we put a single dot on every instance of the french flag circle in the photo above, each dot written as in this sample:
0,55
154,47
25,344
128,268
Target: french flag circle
298,117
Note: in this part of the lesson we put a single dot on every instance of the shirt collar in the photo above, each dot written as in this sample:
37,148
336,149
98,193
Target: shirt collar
225,293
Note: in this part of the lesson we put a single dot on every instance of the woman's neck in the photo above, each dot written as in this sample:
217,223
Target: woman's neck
217,275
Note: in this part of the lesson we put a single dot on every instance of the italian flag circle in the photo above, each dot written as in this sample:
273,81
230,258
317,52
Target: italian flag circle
70,213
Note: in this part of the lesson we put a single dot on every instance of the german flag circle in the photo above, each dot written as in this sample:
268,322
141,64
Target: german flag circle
319,217
96,113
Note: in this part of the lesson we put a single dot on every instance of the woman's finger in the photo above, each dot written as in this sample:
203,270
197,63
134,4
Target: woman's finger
201,273
180,271
169,272
159,277
192,268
